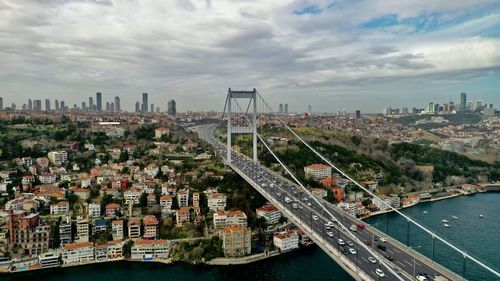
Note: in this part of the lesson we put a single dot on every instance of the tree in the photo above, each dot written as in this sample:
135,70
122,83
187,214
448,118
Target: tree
127,248
143,201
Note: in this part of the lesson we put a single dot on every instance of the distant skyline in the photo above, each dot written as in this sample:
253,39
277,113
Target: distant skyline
365,55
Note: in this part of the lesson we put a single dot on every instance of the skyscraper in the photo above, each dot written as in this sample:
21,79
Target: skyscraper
152,108
117,104
84,106
137,107
57,105
430,108
281,108
47,105
463,101
107,106
91,103
30,104
1,103
111,107
286,108
171,107
37,105
62,107
358,114
144,102
98,99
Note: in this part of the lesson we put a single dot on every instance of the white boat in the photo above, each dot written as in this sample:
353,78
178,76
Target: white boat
481,216
425,212
446,225
455,217
444,221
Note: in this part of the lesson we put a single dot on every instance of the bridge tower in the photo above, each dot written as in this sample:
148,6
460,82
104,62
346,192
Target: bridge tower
251,129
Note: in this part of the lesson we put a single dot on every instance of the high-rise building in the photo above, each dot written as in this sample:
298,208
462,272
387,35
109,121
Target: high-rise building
98,99
152,108
405,111
117,104
171,107
1,103
91,103
285,110
436,108
56,102
479,105
281,108
62,106
84,106
469,106
144,102
430,108
137,107
37,105
463,101
107,106
111,107
358,114
30,104
47,105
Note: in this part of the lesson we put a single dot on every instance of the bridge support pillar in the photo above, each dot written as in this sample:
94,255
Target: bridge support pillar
250,129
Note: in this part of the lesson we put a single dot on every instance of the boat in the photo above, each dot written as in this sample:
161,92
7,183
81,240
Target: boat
446,225
481,216
455,217
425,212
444,221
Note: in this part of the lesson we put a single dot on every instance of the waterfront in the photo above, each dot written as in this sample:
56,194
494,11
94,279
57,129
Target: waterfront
474,234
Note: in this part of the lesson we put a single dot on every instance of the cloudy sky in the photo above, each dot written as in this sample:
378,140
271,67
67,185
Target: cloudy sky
355,54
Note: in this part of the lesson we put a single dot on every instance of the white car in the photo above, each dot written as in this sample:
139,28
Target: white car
329,233
349,243
372,260
352,251
379,273
309,204
341,242
315,217
421,278
383,239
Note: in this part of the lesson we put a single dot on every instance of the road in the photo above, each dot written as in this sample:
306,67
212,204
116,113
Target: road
312,216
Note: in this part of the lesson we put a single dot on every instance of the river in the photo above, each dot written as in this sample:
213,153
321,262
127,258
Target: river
480,236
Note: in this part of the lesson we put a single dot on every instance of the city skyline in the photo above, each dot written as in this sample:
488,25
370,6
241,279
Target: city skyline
329,54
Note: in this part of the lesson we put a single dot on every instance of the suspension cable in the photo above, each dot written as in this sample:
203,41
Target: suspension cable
465,254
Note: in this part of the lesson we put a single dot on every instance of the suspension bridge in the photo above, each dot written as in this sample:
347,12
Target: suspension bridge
366,254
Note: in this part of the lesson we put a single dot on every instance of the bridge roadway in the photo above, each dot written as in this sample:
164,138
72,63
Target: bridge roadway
311,218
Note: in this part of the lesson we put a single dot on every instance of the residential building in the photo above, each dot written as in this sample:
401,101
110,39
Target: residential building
112,209
134,228
317,171
117,229
59,208
166,204
132,196
26,231
159,132
217,202
383,203
115,249
58,157
150,227
286,241
78,253
236,240
82,230
150,249
65,232
183,215
196,199
228,218
319,192
183,198
94,210
49,259
270,213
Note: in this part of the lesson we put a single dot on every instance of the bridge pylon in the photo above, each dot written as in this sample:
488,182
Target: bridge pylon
250,129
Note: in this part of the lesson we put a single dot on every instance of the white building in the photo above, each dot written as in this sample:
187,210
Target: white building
150,250
183,198
349,208
217,202
270,213
166,204
78,253
228,218
94,210
383,203
317,171
59,208
132,196
117,229
58,157
286,241
47,178
82,230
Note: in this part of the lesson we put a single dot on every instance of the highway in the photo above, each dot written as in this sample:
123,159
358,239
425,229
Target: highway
313,217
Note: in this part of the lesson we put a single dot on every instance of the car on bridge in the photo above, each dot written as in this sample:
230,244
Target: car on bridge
349,243
315,217
372,260
341,242
352,251
329,233
379,273
382,247
421,278
361,225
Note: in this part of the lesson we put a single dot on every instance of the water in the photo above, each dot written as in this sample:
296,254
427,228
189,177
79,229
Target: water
480,236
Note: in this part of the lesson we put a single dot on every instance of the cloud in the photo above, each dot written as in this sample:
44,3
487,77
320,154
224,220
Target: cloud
298,51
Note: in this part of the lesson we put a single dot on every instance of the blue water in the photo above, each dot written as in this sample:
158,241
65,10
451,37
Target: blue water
480,236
